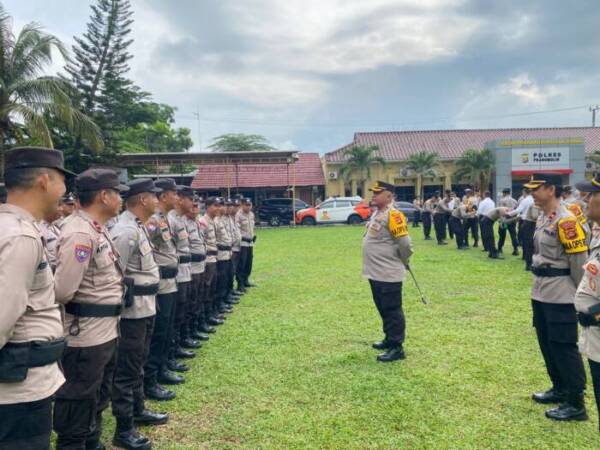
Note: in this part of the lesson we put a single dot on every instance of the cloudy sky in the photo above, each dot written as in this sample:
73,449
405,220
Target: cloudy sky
307,74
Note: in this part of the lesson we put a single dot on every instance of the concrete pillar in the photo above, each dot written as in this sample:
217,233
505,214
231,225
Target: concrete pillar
353,186
447,181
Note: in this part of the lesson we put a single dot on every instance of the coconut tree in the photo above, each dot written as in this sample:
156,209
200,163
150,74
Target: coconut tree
423,164
29,100
359,160
477,166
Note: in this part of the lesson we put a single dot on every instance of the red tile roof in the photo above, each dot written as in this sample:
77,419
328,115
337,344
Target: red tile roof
307,171
450,144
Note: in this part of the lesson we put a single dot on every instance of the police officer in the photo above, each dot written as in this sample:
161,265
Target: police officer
207,223
29,374
224,241
457,217
235,249
89,282
176,217
471,222
161,360
50,232
439,219
428,208
386,252
587,297
504,226
560,251
246,225
487,230
141,279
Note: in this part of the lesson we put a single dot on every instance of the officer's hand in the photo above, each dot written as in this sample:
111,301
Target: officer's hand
254,238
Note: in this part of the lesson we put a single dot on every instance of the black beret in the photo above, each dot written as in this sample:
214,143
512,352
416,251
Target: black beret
98,179
35,157
166,184
141,185
185,191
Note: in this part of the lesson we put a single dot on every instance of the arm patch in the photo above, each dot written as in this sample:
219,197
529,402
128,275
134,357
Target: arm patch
571,235
397,224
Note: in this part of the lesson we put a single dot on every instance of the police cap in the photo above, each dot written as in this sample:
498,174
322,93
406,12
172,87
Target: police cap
35,157
98,179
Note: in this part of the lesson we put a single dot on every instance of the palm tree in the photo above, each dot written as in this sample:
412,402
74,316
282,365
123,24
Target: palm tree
423,164
28,100
477,166
359,160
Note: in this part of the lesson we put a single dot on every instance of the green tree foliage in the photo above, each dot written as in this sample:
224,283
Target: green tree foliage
477,166
32,105
359,160
240,143
422,164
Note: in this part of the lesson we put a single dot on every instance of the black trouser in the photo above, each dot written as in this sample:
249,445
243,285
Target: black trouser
416,218
487,235
527,232
511,228
26,426
479,220
223,278
235,266
240,273
183,300
85,395
128,382
426,224
459,233
210,289
471,225
595,372
160,343
249,262
197,312
556,328
447,225
388,300
440,226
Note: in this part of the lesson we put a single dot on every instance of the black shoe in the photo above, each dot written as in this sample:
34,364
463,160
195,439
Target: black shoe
442,243
515,253
177,366
567,411
495,256
248,284
381,345
206,328
475,245
225,310
170,378
427,238
462,247
190,343
158,393
131,440
233,300
550,396
527,268
199,336
392,354
147,417
94,445
181,353
215,321
241,290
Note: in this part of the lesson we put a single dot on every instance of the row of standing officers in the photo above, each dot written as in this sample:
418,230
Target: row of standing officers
101,307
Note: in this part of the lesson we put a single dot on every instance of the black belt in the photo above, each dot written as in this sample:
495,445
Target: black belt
587,320
17,358
197,257
550,272
184,259
151,289
93,310
166,273
212,253
224,248
247,239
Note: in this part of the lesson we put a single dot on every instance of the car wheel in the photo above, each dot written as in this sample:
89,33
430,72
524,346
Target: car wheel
309,221
354,220
274,221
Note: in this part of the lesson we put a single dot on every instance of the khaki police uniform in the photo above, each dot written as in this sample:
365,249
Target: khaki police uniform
224,242
440,218
208,227
196,317
142,280
245,224
471,221
28,376
50,233
236,246
386,252
505,226
89,283
527,232
428,208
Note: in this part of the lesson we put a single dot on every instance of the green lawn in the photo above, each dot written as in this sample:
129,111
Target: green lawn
293,367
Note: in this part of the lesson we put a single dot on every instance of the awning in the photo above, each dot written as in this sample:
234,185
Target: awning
531,172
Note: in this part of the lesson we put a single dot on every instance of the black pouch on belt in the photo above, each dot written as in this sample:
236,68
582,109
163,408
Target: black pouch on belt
17,358
128,294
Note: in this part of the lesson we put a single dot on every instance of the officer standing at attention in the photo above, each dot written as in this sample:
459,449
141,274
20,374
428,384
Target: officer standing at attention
89,282
506,201
224,241
386,252
141,280
246,225
249,262
29,374
236,247
207,223
439,219
560,251
587,297
428,208
471,222
161,360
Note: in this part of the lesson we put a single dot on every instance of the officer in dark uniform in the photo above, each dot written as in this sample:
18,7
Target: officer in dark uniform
29,374
440,219
428,208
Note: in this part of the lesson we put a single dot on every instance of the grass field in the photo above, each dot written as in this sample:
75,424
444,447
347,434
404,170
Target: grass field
293,367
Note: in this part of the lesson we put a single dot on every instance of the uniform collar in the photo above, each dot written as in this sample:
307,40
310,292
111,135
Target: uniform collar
85,216
17,210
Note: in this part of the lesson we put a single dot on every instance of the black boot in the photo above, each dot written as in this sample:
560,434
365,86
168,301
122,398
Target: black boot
381,345
147,417
215,321
249,284
206,328
199,335
181,353
552,395
393,353
170,378
176,366
126,436
572,409
156,392
190,343
515,252
94,444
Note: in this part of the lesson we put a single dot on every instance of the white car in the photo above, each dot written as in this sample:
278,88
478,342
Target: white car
351,210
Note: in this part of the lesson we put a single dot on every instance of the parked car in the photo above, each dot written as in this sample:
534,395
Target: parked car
278,211
407,208
351,210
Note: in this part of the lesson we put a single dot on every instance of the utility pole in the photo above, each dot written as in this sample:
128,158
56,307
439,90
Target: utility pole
197,115
593,110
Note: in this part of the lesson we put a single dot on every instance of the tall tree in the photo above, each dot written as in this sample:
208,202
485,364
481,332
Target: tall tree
359,160
30,103
422,164
477,166
240,143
